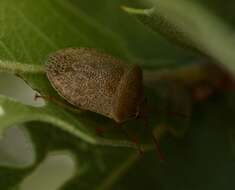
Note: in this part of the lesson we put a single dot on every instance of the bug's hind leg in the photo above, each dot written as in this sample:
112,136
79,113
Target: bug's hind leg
133,138
143,115
100,131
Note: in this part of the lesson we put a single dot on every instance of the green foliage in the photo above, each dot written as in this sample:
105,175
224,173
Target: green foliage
198,30
199,150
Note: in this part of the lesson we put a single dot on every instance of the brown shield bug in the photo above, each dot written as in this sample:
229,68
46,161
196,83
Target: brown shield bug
95,81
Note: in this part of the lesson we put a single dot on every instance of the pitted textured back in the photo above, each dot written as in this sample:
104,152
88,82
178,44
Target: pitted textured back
95,81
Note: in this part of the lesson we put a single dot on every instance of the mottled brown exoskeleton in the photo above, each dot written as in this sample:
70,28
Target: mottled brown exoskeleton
95,81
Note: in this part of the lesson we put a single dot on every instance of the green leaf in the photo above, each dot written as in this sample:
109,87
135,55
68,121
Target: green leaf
13,112
118,160
88,158
196,28
206,148
160,23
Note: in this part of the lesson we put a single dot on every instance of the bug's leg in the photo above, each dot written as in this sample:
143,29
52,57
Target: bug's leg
155,140
143,115
37,96
54,100
49,99
100,131
133,138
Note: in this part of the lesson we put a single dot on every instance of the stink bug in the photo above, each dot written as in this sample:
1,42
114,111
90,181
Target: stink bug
95,81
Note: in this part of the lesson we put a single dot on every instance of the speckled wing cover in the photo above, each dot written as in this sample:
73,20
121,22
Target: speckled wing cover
96,81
